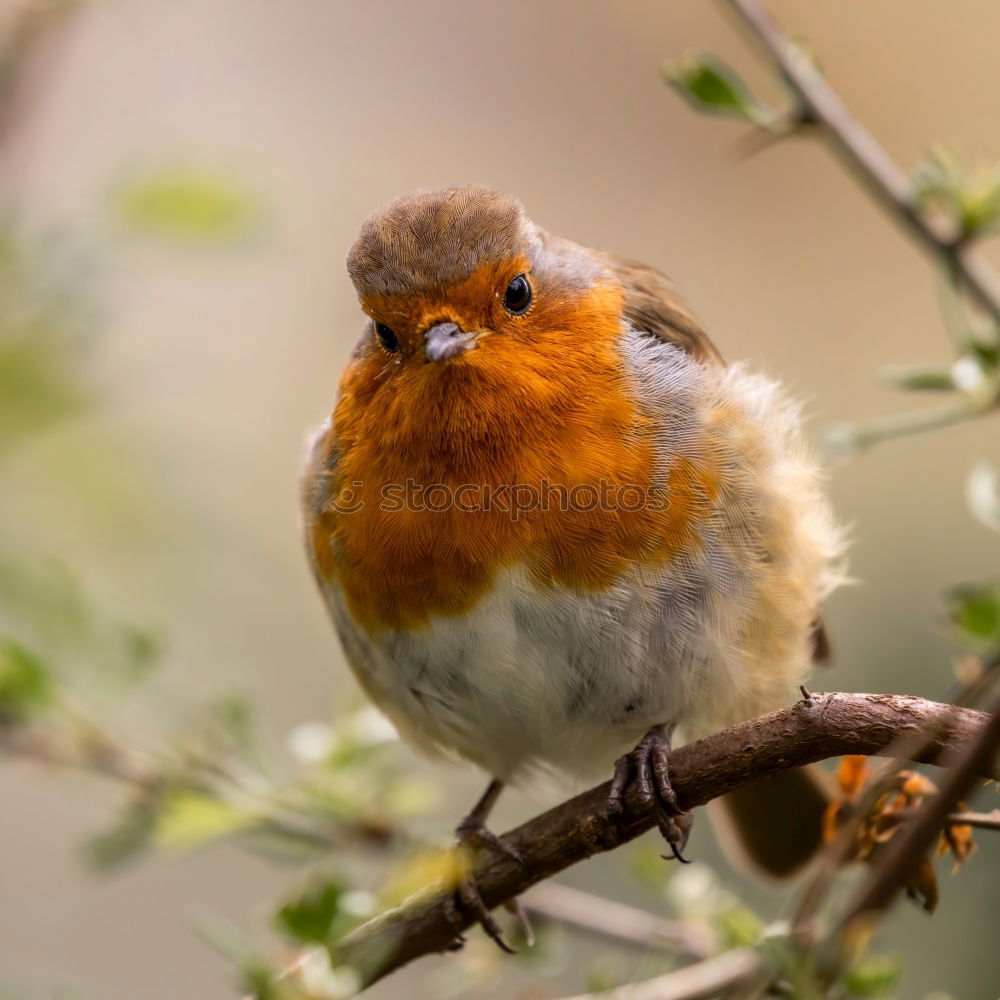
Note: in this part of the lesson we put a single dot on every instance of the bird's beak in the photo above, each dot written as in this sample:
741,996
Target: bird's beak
446,340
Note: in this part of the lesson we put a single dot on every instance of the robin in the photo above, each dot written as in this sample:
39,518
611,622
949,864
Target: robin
551,525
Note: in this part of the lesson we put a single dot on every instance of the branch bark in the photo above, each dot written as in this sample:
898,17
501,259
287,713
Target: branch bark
827,725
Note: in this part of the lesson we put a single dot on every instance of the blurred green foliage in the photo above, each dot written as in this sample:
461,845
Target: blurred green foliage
129,838
969,198
873,976
974,610
47,318
95,654
313,914
25,683
187,206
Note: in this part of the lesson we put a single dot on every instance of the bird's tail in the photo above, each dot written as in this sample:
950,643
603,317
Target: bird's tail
775,825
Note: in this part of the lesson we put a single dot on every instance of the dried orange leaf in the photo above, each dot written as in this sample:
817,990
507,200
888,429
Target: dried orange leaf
923,886
852,773
915,786
958,840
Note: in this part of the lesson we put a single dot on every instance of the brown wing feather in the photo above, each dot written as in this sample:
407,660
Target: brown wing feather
652,305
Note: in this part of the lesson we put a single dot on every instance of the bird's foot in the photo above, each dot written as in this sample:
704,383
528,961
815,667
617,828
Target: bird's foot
474,839
646,768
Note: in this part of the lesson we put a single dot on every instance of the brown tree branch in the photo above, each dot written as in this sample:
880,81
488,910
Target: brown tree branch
889,185
827,725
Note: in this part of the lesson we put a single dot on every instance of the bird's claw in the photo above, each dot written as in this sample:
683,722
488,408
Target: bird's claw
521,915
474,838
467,895
647,769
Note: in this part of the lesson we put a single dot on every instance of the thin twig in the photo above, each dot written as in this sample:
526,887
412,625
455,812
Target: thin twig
97,754
615,921
701,981
867,159
829,725
984,821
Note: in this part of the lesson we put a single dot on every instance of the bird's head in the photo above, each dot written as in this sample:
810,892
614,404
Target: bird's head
443,274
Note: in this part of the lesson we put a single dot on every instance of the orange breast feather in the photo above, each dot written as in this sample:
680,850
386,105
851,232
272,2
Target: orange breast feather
545,405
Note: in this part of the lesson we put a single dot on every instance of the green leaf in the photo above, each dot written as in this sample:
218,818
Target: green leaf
980,207
310,916
970,198
974,610
259,980
711,86
987,354
921,378
26,686
738,927
187,206
189,819
127,840
233,715
876,976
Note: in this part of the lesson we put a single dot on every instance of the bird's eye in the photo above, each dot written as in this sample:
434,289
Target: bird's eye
386,337
517,298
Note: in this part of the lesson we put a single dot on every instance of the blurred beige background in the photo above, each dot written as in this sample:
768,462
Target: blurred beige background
215,365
